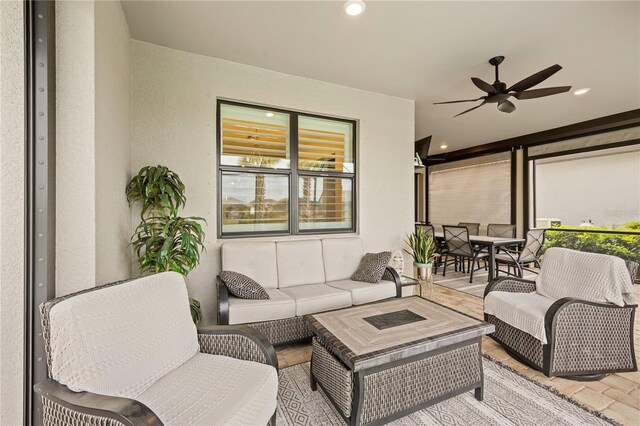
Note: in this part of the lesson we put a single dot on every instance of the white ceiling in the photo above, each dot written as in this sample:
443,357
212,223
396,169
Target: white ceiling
425,51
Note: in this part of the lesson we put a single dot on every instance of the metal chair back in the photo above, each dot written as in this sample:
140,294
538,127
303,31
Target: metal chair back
427,228
474,228
532,245
501,230
457,240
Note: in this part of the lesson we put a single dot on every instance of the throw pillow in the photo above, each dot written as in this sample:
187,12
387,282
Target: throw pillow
242,286
372,267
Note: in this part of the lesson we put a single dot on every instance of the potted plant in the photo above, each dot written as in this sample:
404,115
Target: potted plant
423,251
165,241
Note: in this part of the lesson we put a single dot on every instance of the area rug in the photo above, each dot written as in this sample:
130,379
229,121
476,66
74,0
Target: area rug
509,399
460,281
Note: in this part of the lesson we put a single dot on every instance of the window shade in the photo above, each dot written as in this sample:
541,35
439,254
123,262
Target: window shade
325,145
471,192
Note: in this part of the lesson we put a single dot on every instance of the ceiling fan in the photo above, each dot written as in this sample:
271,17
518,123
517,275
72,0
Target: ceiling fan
499,93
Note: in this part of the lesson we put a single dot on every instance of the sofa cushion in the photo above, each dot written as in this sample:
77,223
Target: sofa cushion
314,298
257,260
278,306
524,311
372,267
341,257
214,390
299,263
588,276
119,340
242,286
366,292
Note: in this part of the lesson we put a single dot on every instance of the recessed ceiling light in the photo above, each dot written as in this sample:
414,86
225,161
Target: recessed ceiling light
444,146
269,114
581,91
354,7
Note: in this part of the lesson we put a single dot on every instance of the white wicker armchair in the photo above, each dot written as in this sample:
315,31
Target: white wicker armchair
576,319
128,353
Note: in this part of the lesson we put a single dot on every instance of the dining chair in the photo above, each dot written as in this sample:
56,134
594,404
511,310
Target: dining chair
517,259
501,230
474,228
460,247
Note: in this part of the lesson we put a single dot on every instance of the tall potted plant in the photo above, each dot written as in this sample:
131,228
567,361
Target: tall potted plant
423,251
165,241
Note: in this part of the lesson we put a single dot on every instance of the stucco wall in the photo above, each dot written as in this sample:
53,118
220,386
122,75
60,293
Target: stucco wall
174,123
11,211
75,147
113,142
93,144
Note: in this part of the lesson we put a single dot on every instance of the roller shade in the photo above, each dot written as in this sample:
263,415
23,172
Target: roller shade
471,192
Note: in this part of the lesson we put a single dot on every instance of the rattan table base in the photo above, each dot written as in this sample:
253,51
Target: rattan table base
377,386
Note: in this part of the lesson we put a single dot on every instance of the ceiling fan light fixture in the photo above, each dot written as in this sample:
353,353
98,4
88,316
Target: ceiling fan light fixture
582,91
354,7
506,106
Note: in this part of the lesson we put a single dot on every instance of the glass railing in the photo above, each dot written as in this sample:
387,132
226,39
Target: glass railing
623,242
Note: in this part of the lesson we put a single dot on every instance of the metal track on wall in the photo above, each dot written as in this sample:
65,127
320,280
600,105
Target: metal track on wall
39,22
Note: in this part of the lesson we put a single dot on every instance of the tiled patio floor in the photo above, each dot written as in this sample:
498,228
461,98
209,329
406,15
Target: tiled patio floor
616,395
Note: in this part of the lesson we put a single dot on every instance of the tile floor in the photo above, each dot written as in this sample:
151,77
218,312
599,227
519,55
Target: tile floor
616,395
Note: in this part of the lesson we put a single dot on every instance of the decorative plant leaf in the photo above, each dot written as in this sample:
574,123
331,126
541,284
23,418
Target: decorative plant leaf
421,245
158,188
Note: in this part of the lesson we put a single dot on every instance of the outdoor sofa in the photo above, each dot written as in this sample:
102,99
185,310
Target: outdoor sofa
128,353
301,277
575,320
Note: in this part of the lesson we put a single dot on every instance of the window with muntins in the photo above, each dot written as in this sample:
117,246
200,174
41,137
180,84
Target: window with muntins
284,172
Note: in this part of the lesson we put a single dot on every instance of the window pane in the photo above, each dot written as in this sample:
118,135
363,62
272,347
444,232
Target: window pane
254,202
254,137
324,203
325,145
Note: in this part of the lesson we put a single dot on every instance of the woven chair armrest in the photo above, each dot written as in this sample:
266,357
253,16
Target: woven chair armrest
391,274
510,284
119,410
223,301
564,310
237,341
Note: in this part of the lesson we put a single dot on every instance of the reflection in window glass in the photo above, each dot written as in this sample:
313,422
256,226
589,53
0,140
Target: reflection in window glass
325,145
254,137
254,202
324,203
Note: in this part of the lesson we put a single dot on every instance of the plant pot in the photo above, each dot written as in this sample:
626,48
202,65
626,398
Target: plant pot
424,270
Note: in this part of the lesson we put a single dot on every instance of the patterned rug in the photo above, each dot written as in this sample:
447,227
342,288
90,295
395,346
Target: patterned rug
460,281
509,399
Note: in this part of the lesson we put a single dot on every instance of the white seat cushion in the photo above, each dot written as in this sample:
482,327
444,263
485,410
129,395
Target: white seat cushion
314,298
214,390
278,306
366,292
524,311
119,340
588,276
341,257
257,260
299,263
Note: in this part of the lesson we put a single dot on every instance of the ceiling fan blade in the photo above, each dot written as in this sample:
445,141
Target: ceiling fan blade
534,79
455,102
538,93
506,106
470,109
483,85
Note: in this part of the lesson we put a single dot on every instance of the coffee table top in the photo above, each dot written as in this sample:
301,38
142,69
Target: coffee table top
377,333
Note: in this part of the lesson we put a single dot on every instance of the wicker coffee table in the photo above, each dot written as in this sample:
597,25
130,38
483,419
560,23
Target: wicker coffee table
385,360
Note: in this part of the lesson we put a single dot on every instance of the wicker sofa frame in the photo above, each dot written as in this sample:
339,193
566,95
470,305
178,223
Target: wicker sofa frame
64,407
287,330
570,324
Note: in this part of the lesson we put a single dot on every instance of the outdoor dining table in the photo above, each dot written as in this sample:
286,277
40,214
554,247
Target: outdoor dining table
491,243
